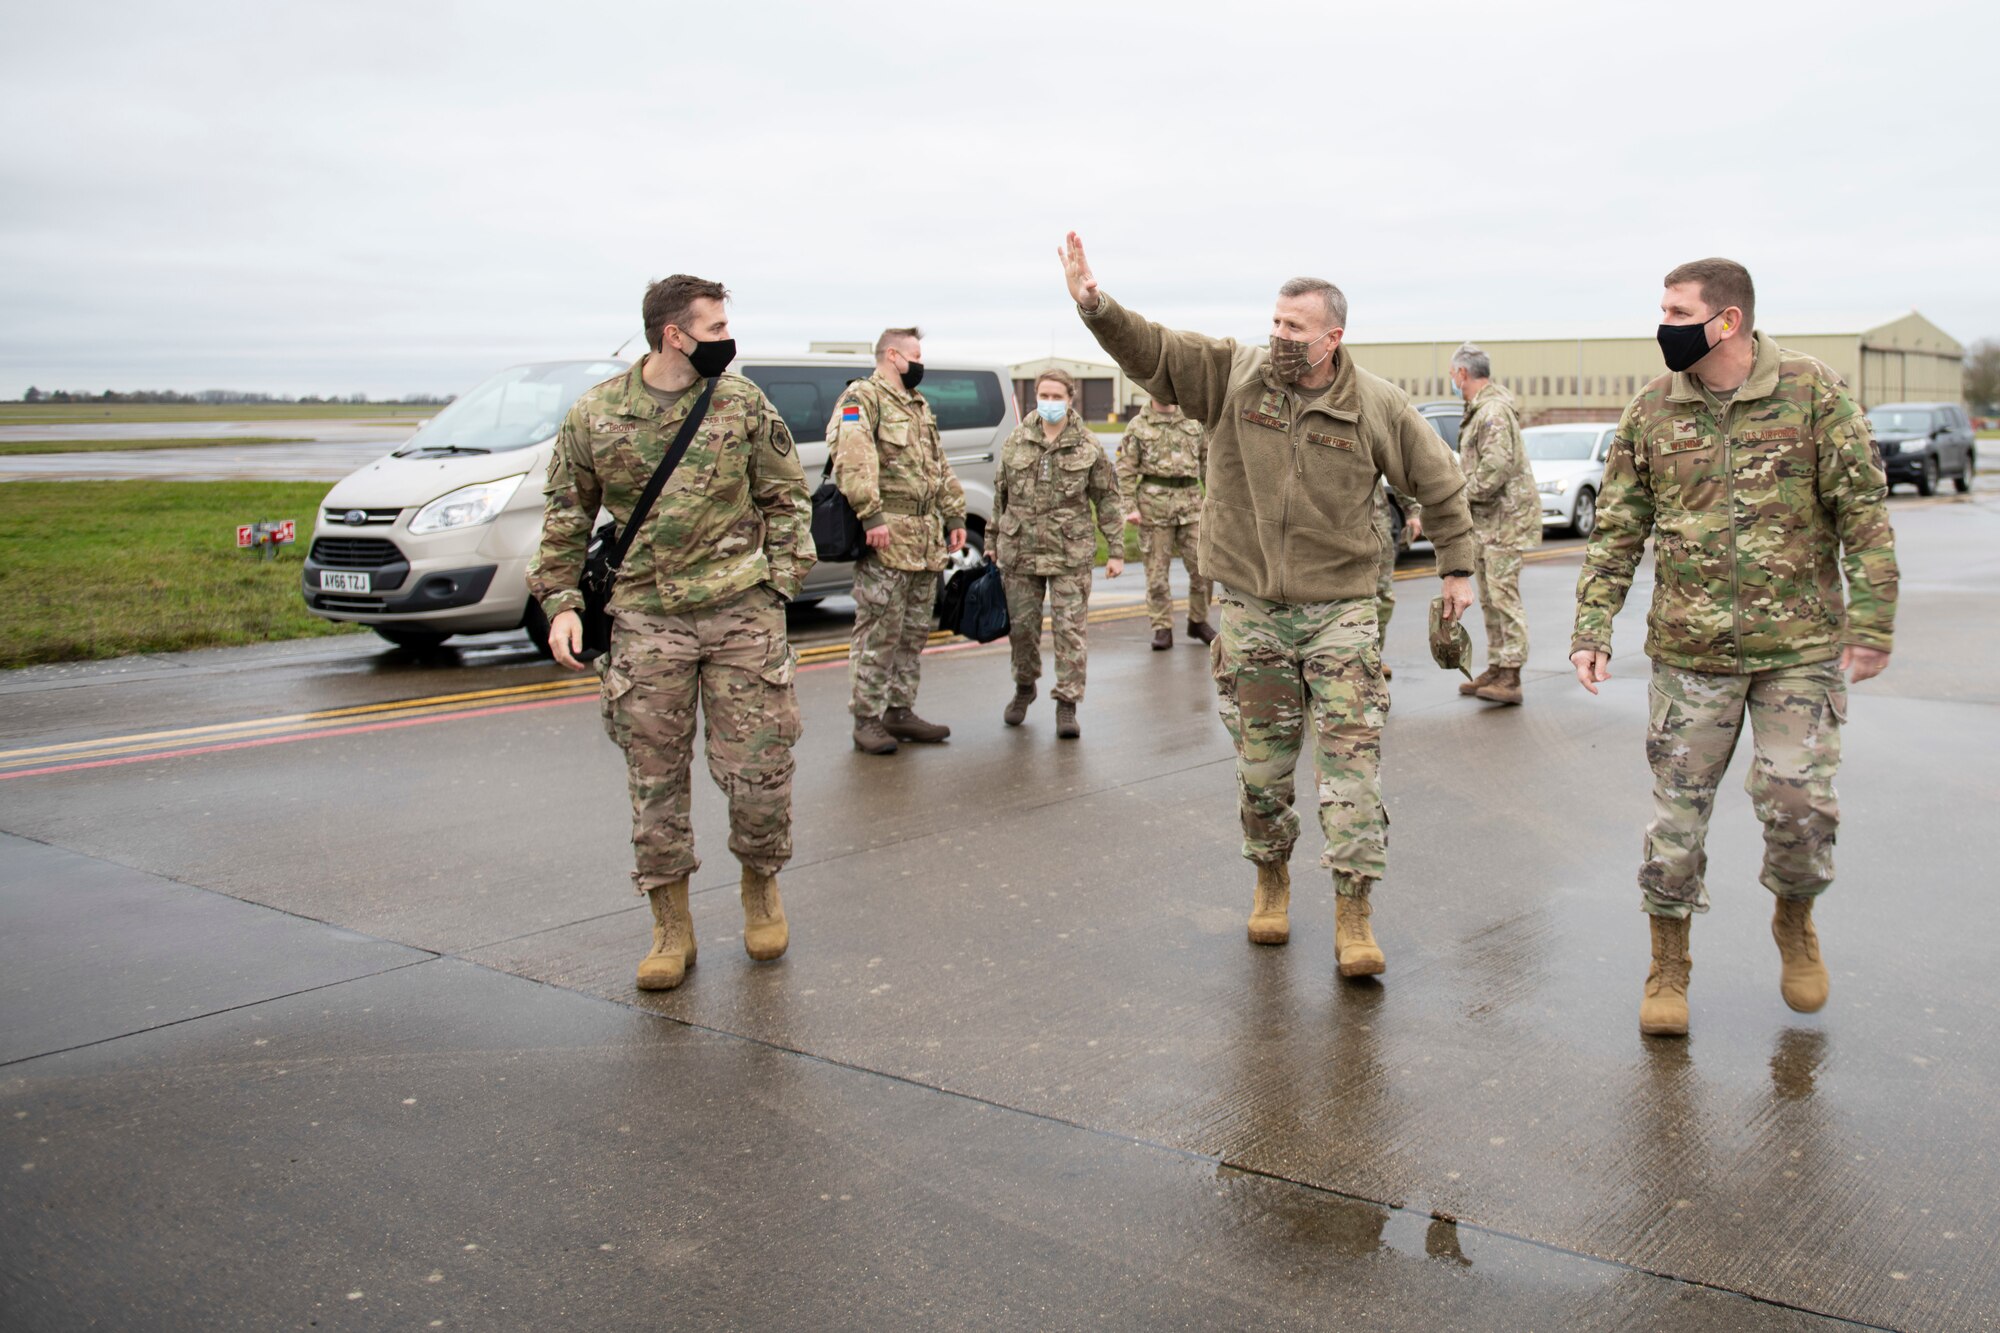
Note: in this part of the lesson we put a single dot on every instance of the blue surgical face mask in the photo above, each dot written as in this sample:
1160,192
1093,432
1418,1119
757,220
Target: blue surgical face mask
1052,412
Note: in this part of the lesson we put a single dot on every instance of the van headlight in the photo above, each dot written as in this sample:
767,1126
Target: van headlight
466,507
1549,487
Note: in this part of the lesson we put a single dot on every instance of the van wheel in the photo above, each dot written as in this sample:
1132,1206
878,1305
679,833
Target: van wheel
536,622
1963,481
417,640
1927,478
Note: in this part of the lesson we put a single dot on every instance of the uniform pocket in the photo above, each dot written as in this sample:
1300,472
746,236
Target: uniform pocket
1698,477
1836,702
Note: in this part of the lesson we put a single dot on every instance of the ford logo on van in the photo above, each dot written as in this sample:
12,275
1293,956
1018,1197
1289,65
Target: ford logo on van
354,518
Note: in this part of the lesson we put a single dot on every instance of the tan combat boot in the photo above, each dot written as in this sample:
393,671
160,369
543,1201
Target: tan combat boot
1803,979
1017,707
673,939
1664,1011
905,725
1270,908
1354,939
1478,682
1504,688
765,932
869,738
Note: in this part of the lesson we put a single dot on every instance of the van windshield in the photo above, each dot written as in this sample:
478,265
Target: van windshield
520,406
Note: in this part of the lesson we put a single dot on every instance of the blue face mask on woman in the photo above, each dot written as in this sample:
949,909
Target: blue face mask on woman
1052,412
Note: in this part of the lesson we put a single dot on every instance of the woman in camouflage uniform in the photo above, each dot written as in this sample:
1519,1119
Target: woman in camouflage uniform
1052,470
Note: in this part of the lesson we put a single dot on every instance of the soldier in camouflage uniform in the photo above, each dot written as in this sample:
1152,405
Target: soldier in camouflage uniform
1299,437
699,608
888,460
1506,516
1052,470
1160,462
1756,476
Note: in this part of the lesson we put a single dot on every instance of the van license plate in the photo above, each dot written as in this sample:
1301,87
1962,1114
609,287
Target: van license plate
332,582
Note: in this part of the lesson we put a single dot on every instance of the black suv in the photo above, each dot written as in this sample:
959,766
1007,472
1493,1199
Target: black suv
1922,443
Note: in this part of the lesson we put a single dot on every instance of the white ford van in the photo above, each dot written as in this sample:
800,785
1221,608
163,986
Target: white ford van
435,539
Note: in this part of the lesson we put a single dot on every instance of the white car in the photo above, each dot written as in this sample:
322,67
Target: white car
1568,462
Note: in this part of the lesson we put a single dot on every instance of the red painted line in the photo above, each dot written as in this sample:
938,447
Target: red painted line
297,736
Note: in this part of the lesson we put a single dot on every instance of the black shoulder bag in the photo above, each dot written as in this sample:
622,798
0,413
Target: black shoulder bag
608,545
837,533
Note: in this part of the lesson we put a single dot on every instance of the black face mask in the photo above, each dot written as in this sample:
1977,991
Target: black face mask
710,359
1684,344
913,375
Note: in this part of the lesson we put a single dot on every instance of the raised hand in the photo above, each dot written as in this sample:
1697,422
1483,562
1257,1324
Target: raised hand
1076,272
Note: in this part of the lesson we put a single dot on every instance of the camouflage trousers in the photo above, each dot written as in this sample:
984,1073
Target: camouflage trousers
1068,597
1158,544
1385,575
1497,572
736,660
1695,720
1282,668
893,611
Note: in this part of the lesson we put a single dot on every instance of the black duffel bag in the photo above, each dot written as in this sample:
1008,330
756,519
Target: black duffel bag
981,609
837,533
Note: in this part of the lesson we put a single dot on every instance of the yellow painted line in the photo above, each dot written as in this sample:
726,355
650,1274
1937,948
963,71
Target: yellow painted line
222,729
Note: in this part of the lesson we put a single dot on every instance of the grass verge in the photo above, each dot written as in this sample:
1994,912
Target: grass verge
120,446
78,414
96,569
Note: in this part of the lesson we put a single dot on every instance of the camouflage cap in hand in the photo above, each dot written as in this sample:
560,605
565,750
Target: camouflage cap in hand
1451,646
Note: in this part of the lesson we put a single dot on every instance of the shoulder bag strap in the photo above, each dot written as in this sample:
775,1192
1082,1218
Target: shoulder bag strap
658,481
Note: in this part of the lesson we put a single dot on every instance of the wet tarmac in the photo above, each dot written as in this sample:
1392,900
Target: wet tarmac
326,451
316,963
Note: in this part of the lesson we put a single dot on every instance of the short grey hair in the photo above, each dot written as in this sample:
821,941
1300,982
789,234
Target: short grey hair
1473,361
1336,300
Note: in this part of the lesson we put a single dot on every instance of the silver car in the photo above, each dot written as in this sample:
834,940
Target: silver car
1568,463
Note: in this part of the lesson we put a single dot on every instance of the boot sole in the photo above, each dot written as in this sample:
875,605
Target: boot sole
1799,1008
1497,699
1663,1030
657,984
905,739
1266,935
767,955
1366,968
874,749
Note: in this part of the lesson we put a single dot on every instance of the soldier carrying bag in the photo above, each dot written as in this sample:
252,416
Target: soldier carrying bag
608,545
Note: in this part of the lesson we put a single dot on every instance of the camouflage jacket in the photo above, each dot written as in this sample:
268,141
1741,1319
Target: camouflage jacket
1752,513
1042,494
1506,511
888,460
1171,447
1289,515
733,515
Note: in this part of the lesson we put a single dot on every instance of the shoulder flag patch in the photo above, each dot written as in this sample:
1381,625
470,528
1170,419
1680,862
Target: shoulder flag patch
850,412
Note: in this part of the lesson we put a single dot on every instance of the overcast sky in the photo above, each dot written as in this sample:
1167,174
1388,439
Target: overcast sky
402,197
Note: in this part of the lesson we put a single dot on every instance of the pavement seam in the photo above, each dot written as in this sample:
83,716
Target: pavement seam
1186,1154
231,1008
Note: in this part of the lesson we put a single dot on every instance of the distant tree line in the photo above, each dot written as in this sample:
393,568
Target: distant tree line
35,395
1982,375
